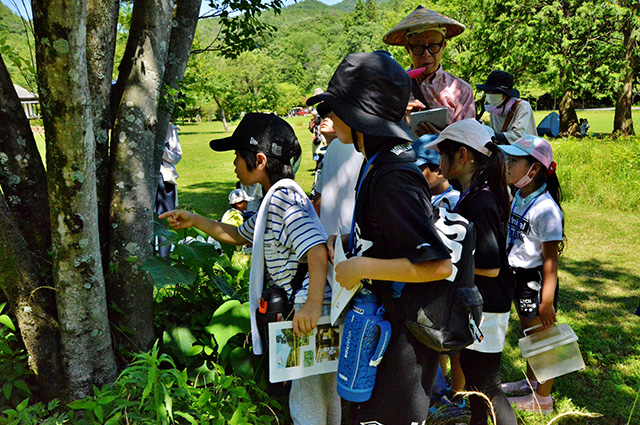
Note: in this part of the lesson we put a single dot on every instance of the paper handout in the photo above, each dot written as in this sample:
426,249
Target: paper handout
340,296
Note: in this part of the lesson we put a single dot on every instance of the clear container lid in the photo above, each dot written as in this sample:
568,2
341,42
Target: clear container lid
546,340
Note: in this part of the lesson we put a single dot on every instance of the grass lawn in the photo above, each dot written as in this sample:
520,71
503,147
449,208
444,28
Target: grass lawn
599,280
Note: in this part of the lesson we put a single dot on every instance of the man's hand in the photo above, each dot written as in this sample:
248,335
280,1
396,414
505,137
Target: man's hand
413,106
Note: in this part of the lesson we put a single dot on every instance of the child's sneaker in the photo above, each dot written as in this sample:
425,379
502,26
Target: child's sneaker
449,409
519,387
533,403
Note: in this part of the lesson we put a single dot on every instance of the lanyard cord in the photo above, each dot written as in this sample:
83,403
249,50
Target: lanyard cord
461,198
435,201
513,230
352,234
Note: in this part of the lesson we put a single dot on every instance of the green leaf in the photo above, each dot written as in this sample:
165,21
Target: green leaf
164,273
114,420
237,417
99,413
241,363
196,253
195,350
106,399
179,339
23,405
229,319
5,320
83,404
188,417
223,286
6,390
20,384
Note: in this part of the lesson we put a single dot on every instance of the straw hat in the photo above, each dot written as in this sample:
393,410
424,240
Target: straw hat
425,20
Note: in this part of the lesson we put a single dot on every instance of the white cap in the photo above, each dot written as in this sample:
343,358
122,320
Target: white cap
468,132
239,195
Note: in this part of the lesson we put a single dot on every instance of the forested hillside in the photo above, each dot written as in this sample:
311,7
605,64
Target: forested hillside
570,55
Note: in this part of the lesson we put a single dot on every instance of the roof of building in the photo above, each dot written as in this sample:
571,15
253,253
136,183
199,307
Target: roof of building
24,94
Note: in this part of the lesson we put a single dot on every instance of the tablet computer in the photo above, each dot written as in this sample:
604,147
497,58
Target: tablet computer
437,117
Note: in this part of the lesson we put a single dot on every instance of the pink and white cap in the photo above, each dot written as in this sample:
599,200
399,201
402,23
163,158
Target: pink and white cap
535,146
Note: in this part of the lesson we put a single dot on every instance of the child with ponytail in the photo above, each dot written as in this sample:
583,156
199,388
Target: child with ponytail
473,162
535,238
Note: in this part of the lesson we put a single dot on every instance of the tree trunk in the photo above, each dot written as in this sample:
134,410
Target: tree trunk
25,266
21,280
183,30
22,174
133,173
60,35
102,21
568,117
224,121
623,120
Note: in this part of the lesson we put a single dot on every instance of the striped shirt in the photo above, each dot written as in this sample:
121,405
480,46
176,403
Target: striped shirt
289,234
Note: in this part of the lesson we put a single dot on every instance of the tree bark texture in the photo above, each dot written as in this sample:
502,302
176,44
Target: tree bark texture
133,172
623,120
60,35
102,22
30,299
22,175
183,30
568,116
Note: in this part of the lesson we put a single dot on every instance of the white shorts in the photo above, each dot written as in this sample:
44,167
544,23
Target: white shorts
494,328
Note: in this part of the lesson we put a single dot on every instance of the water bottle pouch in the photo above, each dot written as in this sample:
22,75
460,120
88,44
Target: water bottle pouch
273,306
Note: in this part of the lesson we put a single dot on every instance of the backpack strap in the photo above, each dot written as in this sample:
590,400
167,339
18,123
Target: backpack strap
510,115
296,282
417,93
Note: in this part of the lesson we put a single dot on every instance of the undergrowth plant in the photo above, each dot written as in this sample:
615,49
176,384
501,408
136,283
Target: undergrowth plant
14,370
152,390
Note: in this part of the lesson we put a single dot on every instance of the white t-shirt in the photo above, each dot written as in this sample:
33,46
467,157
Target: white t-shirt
289,234
542,223
337,185
446,200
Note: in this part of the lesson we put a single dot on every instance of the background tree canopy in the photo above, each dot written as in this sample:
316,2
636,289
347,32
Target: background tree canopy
564,54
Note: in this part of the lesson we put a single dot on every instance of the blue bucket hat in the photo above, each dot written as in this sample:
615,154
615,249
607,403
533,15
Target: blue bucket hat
425,155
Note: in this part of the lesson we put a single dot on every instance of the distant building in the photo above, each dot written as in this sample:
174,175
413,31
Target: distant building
29,102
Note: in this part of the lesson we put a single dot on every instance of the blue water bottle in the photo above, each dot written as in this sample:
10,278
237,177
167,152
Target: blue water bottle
364,339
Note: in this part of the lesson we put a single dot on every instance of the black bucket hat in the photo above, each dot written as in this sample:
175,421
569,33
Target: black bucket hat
369,92
266,133
500,81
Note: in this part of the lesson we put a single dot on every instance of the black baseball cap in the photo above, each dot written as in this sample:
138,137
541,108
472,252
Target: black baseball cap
369,92
258,132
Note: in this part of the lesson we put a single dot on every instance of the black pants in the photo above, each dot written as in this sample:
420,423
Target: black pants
482,374
165,201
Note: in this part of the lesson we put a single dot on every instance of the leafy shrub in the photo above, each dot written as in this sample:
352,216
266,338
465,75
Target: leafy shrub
14,368
153,391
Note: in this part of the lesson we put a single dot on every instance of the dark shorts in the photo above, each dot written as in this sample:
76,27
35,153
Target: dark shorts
529,292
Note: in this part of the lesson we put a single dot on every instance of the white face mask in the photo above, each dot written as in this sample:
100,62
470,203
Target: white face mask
525,180
495,99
